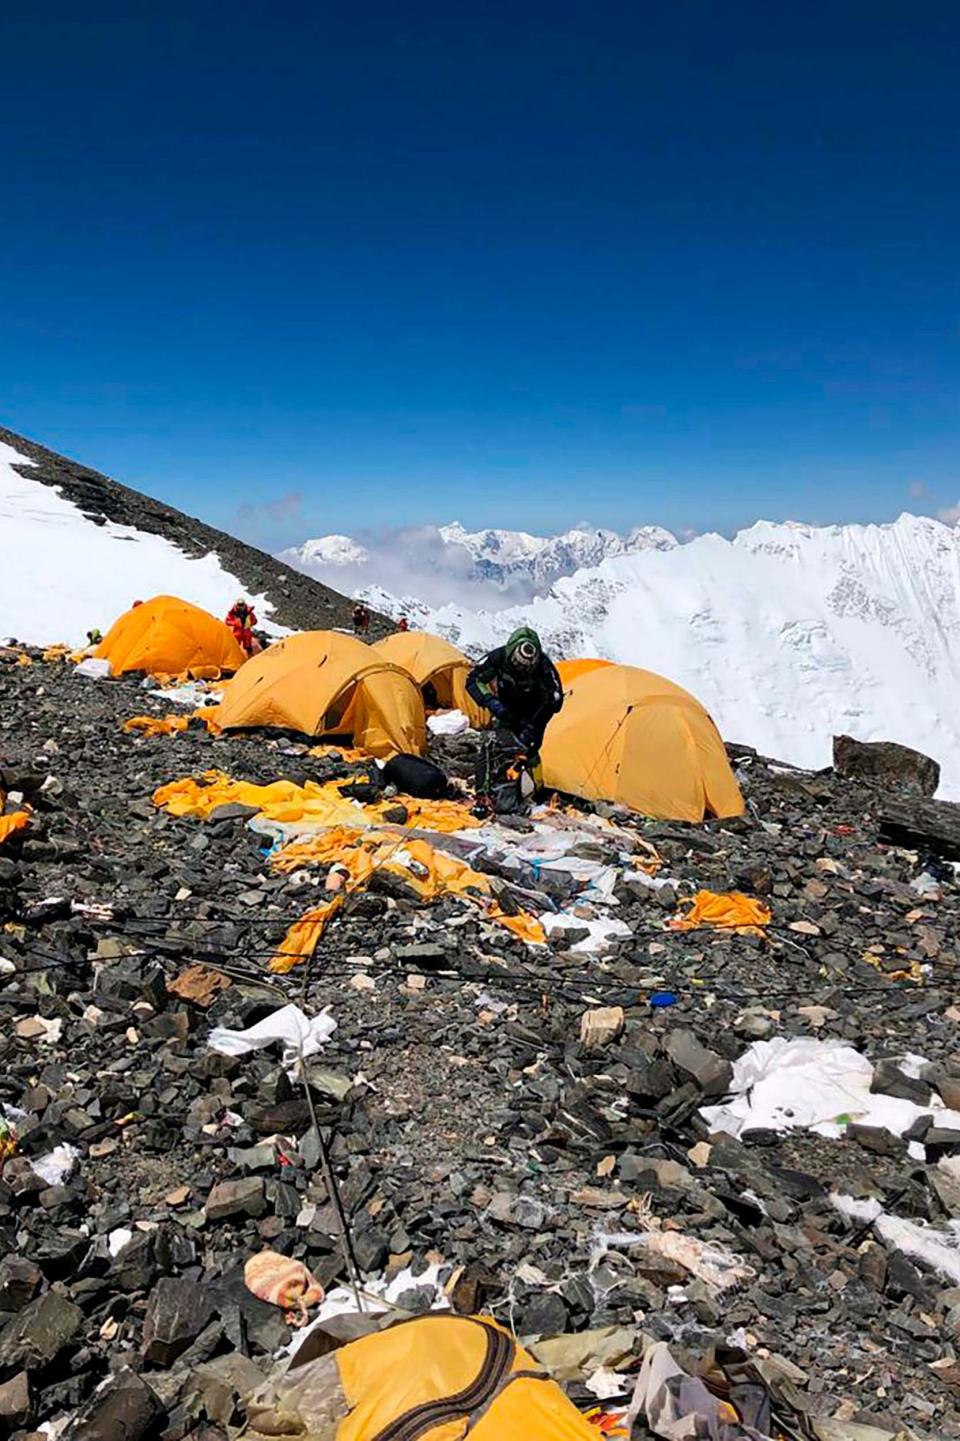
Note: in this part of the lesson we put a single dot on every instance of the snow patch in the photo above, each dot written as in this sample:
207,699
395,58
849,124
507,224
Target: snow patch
62,574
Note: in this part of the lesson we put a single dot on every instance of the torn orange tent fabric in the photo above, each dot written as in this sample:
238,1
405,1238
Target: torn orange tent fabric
168,725
430,873
727,910
316,806
155,725
9,825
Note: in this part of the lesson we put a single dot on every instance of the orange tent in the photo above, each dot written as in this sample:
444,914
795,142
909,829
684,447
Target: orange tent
570,669
169,636
629,736
433,661
323,683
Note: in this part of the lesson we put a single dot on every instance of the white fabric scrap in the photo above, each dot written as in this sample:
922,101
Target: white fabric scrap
603,933
301,1035
56,1165
378,1295
448,723
800,1083
937,1248
93,669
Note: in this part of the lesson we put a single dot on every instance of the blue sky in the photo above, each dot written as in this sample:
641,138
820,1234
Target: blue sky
306,268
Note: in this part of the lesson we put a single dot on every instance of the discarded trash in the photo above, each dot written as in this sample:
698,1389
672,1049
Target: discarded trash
429,1376
663,998
801,1083
9,825
282,1281
300,1035
94,669
56,1165
200,984
937,1248
730,910
448,723
677,1406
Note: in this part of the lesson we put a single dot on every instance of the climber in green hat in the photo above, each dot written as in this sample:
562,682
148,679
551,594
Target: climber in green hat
520,687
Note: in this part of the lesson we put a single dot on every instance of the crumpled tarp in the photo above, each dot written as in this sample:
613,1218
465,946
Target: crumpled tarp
800,1083
9,825
727,910
430,872
312,806
680,1407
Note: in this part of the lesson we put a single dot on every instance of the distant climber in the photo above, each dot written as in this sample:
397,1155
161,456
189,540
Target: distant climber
94,636
403,624
522,689
241,618
361,619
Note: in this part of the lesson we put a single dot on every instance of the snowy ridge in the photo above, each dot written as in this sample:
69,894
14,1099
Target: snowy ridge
512,561
62,574
789,634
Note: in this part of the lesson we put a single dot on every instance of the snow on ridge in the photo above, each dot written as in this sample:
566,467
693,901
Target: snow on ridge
504,566
62,574
789,634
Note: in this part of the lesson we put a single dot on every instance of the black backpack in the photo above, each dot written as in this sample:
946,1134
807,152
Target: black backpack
413,776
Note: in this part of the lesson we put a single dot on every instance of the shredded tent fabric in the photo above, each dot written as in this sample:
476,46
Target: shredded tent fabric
168,725
728,910
9,825
312,806
430,873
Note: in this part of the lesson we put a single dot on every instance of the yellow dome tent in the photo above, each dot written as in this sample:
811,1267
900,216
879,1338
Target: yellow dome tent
168,636
323,683
569,670
632,737
433,661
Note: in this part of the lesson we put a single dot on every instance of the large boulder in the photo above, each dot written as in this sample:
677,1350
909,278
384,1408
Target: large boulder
887,763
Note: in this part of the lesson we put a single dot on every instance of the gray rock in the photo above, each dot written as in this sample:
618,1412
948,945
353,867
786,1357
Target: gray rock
177,1312
124,1410
15,1404
40,1332
887,763
243,1197
711,1072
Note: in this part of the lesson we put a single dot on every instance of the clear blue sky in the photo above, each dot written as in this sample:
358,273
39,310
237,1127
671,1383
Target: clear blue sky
337,266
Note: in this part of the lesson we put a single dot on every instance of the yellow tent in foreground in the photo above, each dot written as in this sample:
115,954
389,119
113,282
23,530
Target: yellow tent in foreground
433,661
168,636
323,683
629,736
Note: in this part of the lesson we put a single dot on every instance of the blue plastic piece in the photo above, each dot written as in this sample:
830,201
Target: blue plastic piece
664,998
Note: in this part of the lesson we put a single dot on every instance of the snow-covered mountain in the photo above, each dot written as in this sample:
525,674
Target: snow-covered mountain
789,633
79,548
448,559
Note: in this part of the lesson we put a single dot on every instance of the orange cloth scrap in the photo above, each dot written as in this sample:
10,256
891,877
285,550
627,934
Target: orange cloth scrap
313,803
729,910
9,825
350,754
281,1281
168,725
429,872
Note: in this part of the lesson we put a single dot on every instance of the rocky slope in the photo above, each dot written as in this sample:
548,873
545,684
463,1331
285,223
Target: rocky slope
473,1129
294,600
